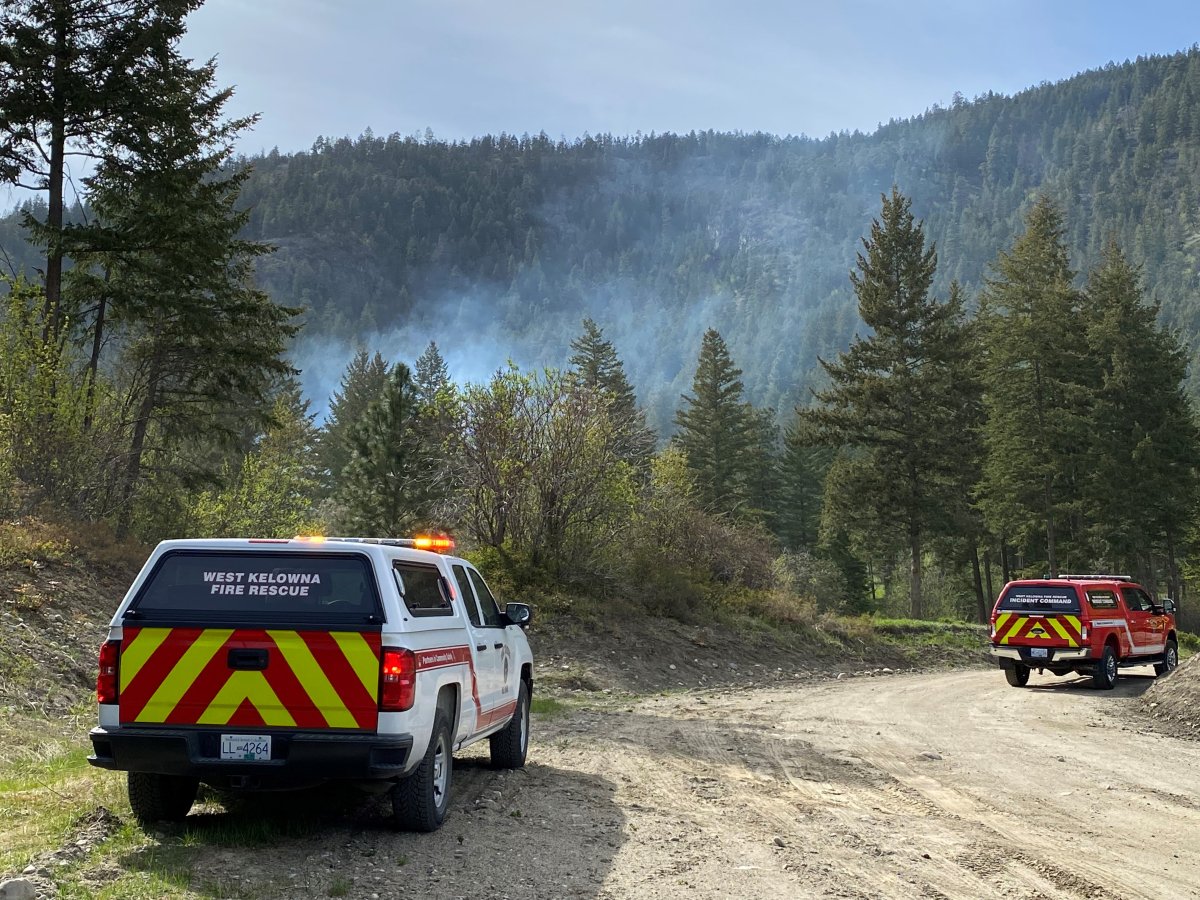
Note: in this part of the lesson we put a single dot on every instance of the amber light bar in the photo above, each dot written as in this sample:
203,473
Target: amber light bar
437,543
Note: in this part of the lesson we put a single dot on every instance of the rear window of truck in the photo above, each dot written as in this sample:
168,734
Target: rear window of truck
1040,599
292,587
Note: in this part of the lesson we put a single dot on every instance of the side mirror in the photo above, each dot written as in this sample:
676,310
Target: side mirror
1168,606
520,614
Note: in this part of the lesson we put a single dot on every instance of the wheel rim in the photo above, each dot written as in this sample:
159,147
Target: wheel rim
524,727
441,772
1172,658
1110,667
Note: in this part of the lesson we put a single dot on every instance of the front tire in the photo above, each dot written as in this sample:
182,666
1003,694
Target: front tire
161,798
420,801
1104,677
1017,676
510,746
1170,659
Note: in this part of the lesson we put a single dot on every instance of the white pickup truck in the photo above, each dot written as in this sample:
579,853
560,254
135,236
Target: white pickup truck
263,663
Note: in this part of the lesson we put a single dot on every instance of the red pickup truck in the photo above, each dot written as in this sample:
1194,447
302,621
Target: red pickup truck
1088,624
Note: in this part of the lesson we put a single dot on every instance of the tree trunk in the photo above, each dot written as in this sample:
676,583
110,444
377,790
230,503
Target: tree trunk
980,601
54,186
1051,550
133,468
93,367
987,573
1172,570
917,601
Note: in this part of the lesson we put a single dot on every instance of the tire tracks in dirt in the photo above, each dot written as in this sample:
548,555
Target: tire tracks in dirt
943,785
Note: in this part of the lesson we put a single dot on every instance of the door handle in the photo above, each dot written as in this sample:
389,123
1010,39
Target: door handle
498,646
481,646
247,659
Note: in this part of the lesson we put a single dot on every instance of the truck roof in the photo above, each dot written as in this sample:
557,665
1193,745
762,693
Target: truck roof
387,548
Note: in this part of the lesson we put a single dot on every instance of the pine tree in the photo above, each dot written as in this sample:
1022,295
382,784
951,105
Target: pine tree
596,365
1039,382
802,469
716,429
440,402
362,383
1141,489
82,78
393,481
202,340
762,467
431,374
897,398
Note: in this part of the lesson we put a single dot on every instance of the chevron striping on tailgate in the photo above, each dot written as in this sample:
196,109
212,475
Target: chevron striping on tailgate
250,677
1053,628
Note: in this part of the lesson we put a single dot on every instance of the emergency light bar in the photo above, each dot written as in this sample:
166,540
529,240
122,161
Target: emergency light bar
438,543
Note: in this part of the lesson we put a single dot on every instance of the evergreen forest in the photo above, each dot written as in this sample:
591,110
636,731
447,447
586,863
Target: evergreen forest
866,373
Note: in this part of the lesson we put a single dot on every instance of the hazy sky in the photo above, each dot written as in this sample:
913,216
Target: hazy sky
469,67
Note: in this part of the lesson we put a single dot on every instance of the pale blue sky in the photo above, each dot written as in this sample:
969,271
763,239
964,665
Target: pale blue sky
470,67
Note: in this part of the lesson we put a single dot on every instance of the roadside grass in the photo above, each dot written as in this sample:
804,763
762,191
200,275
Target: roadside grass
51,794
917,634
548,707
44,799
834,633
1188,644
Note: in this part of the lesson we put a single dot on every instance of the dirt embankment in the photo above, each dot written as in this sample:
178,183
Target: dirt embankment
53,616
1172,704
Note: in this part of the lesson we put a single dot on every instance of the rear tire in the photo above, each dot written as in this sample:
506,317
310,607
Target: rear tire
420,801
161,798
510,746
1017,676
1170,659
1104,677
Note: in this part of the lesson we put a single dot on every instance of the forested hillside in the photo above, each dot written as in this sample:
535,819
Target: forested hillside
686,286
499,247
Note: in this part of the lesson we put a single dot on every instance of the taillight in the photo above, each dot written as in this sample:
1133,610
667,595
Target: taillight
107,684
1083,632
397,680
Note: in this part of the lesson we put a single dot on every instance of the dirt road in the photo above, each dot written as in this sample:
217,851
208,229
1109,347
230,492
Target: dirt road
933,785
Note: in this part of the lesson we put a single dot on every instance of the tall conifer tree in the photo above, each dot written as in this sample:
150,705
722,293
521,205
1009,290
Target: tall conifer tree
596,365
1039,382
716,429
898,398
363,381
392,482
82,78
1141,489
431,374
802,469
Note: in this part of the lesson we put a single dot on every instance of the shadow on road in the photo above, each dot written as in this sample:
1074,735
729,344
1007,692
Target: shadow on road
1129,684
536,832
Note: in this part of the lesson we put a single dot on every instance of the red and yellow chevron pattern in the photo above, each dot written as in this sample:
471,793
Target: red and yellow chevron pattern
1053,630
312,679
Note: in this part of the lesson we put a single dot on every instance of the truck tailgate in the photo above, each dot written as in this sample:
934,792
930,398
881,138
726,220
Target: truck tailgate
282,678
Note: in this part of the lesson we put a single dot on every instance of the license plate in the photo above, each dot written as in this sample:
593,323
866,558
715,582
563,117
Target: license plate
1038,652
246,747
